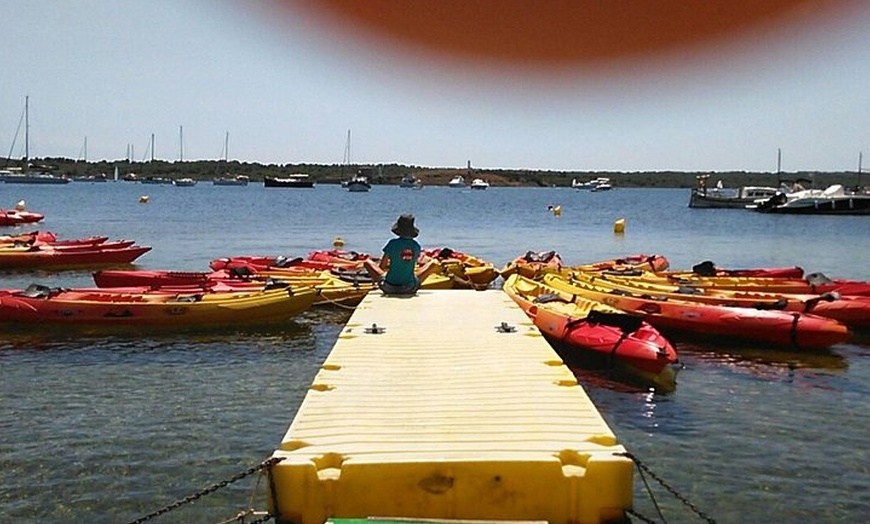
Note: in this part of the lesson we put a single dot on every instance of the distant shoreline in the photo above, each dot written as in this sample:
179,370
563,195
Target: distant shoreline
391,174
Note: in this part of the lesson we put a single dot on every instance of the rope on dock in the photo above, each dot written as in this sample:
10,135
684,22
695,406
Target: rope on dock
334,302
265,465
643,468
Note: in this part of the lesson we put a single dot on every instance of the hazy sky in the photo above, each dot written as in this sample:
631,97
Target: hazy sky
287,88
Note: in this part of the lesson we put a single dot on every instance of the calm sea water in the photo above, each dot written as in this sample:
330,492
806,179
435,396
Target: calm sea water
109,429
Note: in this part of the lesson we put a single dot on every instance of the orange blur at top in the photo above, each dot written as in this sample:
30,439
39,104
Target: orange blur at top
561,32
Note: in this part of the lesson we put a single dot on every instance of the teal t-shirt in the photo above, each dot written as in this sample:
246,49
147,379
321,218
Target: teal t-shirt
403,253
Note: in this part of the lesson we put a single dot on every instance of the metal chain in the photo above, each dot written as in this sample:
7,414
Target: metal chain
644,468
266,464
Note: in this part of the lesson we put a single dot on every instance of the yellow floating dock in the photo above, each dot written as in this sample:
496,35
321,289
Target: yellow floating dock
448,405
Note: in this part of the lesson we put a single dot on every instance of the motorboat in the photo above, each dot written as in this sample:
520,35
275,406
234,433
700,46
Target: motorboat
834,200
238,180
596,184
411,182
155,180
297,180
479,183
458,182
603,184
358,184
184,182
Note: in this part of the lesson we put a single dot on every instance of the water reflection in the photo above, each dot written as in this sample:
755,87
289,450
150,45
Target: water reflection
764,360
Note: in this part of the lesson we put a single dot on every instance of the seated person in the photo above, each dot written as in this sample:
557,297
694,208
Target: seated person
397,272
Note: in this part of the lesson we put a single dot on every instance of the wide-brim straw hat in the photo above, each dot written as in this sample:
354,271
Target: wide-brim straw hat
404,227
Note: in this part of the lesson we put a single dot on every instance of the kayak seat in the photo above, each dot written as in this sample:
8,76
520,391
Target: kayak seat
549,297
816,279
543,256
780,304
275,284
352,256
35,291
706,269
358,276
627,323
627,272
282,261
188,298
241,271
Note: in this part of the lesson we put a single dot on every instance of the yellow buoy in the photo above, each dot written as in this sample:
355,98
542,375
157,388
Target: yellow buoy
20,205
619,226
557,211
143,199
337,242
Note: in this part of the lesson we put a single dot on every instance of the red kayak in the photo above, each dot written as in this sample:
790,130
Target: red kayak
48,257
29,238
593,329
338,258
266,263
641,262
115,278
708,269
14,217
782,328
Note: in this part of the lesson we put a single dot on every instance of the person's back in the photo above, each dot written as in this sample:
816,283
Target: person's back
403,253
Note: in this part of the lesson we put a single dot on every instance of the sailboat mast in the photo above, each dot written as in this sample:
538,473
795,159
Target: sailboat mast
152,147
346,162
227,146
778,167
26,131
181,143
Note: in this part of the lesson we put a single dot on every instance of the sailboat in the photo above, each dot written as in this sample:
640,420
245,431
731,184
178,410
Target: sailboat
228,179
25,175
359,183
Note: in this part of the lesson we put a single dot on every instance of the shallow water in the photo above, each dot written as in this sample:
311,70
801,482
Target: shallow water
107,429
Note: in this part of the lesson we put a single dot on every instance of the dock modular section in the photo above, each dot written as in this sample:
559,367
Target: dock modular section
447,405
